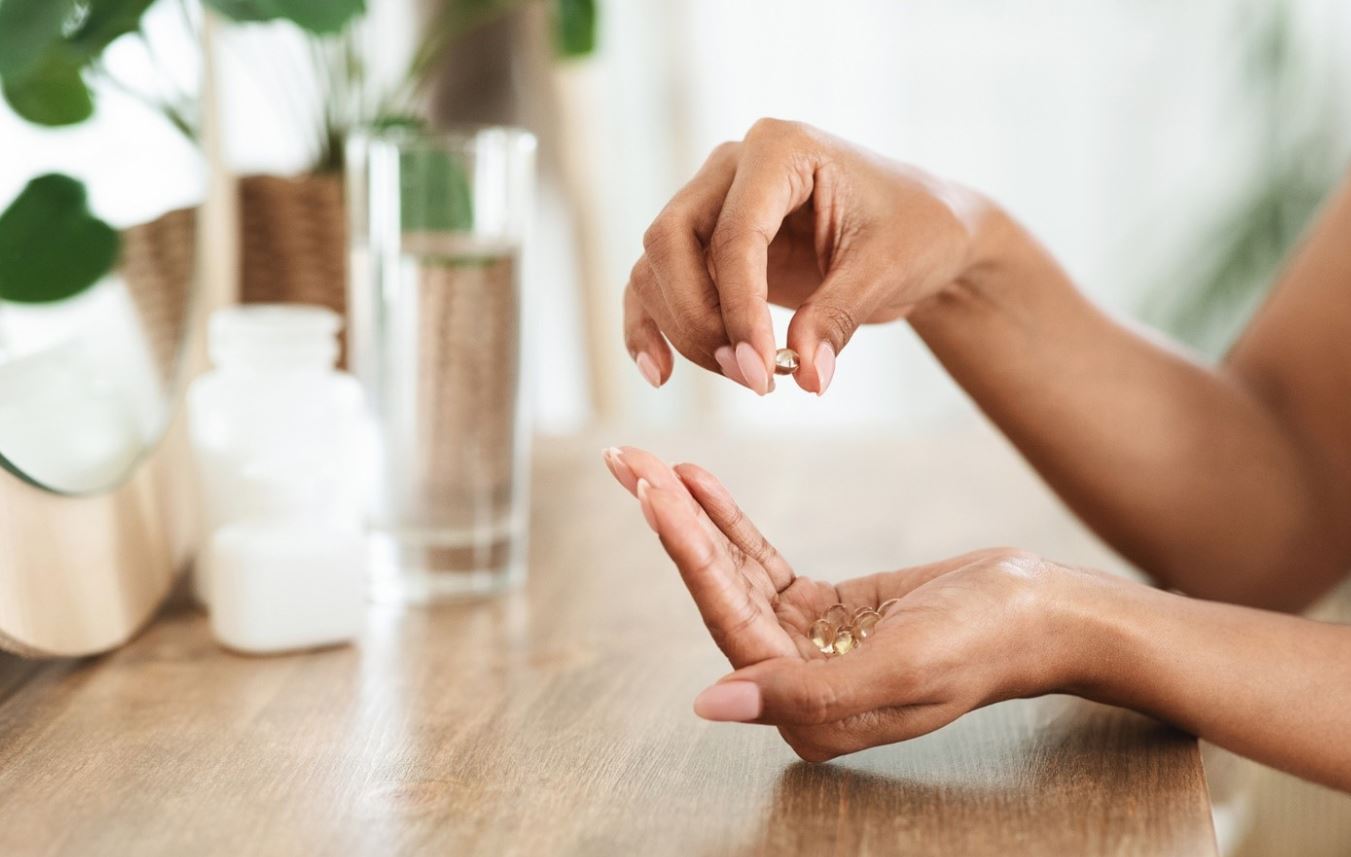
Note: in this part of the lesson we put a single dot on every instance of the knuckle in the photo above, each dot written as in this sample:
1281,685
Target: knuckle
817,702
807,744
734,236
642,283
724,151
769,128
1015,563
639,272
659,235
764,551
837,321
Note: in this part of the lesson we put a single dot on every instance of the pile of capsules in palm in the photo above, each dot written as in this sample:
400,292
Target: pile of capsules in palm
839,632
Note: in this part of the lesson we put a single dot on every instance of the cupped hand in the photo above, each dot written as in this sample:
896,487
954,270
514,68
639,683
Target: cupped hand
964,633
794,217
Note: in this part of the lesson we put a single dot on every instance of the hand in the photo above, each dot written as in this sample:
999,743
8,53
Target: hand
966,632
795,217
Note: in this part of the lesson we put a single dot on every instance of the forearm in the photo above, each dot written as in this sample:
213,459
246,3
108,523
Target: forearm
1175,464
1268,686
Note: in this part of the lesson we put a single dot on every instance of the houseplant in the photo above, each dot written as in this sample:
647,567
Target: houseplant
52,246
293,228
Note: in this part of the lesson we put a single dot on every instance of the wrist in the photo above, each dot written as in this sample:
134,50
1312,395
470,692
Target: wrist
1104,620
1000,254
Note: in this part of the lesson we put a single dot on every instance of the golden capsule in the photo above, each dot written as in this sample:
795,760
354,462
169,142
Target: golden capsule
844,642
823,635
785,361
837,615
887,605
865,624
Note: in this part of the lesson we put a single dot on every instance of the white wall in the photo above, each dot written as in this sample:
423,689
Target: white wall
1108,127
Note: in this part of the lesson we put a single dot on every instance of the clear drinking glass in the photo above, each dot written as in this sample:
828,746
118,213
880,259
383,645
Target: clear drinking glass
438,220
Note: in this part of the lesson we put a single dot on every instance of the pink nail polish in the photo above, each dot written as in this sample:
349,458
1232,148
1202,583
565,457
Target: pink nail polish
621,471
648,367
643,488
727,361
825,366
752,368
734,701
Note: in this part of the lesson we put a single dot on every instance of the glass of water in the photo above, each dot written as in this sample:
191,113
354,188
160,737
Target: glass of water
437,224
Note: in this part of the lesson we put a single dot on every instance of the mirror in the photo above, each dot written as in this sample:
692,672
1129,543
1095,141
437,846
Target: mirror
100,184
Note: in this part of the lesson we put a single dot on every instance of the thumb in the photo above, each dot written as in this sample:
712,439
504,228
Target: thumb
824,324
791,691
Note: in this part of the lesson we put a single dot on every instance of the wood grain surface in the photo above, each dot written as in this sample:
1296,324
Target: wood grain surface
557,720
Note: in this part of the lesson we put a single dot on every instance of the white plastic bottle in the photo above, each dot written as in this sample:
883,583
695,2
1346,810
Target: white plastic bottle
279,438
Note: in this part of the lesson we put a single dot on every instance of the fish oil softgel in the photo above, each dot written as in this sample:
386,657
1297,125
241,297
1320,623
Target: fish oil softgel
839,632
823,636
785,361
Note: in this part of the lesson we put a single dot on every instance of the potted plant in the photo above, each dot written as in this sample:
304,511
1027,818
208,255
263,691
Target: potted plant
293,228
52,246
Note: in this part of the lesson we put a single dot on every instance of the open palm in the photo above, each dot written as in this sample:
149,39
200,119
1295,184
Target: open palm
755,607
961,633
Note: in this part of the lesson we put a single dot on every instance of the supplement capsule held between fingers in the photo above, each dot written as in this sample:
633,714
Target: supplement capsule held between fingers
785,361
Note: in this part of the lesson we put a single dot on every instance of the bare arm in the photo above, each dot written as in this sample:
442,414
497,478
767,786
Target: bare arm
1227,482
968,631
1271,687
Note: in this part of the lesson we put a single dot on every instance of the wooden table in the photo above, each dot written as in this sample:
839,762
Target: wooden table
557,720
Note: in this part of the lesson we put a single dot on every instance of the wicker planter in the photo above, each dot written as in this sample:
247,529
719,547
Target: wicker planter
293,241
158,266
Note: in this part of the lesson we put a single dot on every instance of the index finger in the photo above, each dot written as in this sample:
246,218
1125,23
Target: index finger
774,178
674,248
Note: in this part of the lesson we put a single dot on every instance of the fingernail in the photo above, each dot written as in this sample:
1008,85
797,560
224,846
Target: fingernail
643,487
752,368
825,366
727,361
732,701
648,367
615,461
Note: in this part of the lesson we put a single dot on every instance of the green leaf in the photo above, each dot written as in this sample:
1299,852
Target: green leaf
27,29
105,21
51,246
575,27
52,92
241,10
398,121
315,16
434,192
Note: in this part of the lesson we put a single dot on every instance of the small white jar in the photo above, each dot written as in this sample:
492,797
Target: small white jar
291,575
280,441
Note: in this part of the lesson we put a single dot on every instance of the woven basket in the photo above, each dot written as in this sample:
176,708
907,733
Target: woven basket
293,241
157,265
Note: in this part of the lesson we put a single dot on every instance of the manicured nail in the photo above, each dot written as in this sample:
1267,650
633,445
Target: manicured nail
648,367
825,366
727,361
732,701
752,368
643,488
615,461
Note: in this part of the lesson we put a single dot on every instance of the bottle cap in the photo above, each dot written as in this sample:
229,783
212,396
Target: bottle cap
278,336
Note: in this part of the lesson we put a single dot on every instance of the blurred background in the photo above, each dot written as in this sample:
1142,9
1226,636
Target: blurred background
1167,153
